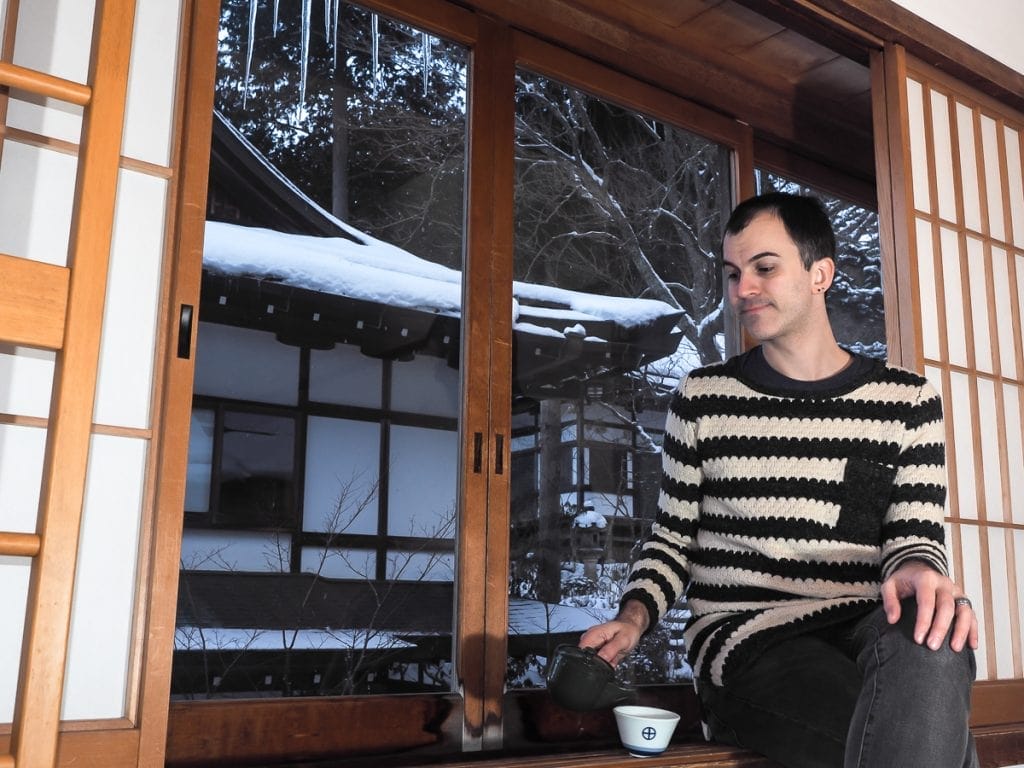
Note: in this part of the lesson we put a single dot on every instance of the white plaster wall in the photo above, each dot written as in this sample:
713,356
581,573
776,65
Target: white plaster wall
992,26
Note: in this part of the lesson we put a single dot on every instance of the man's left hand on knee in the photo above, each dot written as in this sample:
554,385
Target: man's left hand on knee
940,605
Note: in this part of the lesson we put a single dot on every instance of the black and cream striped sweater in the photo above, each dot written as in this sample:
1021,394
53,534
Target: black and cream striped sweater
783,511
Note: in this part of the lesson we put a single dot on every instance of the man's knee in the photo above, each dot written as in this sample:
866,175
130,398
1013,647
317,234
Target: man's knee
898,646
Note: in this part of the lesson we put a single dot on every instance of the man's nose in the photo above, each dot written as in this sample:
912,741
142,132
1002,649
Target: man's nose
746,285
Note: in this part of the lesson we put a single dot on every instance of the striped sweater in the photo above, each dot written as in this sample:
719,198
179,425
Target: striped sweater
782,512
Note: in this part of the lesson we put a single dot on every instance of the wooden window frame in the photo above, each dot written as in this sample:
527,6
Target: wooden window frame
473,718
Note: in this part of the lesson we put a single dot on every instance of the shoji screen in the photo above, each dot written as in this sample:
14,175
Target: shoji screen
41,142
968,223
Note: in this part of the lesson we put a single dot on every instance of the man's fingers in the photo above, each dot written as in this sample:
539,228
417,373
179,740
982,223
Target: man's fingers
890,601
941,620
925,614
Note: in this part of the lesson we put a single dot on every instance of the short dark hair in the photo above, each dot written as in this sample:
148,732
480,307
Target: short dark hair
804,218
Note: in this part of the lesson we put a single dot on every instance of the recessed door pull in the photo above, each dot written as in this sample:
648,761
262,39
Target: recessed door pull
478,452
499,454
185,332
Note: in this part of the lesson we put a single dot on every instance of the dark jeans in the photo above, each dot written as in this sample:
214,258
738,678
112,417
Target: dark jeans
863,695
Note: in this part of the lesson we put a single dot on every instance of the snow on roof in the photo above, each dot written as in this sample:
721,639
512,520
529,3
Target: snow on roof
371,270
532,617
525,617
187,638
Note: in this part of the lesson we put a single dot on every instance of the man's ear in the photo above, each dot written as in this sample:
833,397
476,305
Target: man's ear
822,273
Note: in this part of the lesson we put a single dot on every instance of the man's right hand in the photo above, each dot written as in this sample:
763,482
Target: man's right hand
616,639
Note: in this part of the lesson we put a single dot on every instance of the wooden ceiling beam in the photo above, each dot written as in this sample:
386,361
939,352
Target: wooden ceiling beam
724,82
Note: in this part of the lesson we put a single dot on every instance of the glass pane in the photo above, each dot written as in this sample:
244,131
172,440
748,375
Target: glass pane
256,472
855,304
618,220
200,462
328,351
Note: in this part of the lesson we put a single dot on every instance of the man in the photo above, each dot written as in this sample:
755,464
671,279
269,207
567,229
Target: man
802,513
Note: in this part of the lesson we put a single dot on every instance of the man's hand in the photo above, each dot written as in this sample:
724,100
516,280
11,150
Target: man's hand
614,640
936,610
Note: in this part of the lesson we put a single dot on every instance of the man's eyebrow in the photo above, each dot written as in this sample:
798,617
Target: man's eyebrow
756,257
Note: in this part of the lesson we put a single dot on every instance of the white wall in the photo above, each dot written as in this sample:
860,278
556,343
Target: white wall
992,26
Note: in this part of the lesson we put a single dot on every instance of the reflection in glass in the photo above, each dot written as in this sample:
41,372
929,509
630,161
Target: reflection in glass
618,220
327,388
255,489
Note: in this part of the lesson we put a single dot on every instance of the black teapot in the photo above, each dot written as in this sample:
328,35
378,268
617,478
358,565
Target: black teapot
580,680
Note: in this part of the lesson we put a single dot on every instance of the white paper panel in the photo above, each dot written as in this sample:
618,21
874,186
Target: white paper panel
998,539
1018,549
21,472
956,330
151,80
223,550
340,563
421,566
927,285
993,178
55,37
1018,263
969,167
37,188
96,682
342,473
26,381
1016,184
245,365
1004,312
989,428
125,380
422,483
963,434
21,468
918,146
979,304
425,385
1014,452
14,576
942,155
345,376
971,581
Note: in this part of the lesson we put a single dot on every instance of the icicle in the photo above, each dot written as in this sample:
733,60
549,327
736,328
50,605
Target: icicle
426,62
375,43
307,8
277,4
327,19
248,53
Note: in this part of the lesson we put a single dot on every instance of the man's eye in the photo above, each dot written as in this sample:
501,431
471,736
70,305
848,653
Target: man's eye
732,276
765,269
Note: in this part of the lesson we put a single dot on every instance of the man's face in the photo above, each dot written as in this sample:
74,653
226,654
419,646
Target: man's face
767,285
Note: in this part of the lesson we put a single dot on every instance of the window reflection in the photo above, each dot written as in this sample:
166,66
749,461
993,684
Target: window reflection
318,551
618,219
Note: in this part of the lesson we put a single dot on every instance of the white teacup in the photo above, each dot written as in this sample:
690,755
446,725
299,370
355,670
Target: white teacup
645,731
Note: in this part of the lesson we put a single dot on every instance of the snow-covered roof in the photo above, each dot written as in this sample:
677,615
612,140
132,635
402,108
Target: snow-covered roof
371,270
533,617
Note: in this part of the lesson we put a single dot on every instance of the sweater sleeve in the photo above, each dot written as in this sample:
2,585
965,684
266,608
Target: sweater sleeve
660,573
913,525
